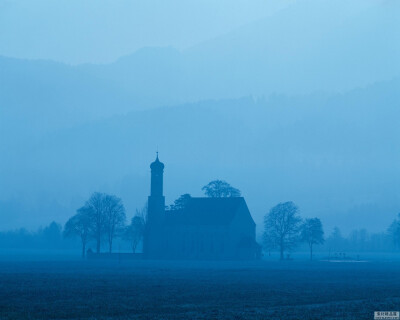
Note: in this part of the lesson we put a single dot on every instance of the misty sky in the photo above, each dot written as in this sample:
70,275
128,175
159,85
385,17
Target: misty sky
93,31
75,31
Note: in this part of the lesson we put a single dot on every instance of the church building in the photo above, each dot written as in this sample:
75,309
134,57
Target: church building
205,228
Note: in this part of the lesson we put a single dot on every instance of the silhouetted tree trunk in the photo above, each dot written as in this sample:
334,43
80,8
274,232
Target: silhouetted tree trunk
281,227
114,218
312,233
80,225
98,216
135,231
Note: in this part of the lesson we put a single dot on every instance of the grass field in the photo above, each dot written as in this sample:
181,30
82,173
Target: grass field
178,290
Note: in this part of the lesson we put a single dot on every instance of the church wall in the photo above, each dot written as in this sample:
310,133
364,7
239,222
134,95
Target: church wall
197,242
242,232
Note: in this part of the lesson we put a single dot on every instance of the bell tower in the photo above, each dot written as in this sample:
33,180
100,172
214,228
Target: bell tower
153,238
156,202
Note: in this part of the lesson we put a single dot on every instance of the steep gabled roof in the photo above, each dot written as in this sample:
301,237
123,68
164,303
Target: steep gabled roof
207,211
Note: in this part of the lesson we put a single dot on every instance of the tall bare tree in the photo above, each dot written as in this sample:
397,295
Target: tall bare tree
142,213
312,233
97,207
282,226
114,220
135,231
80,225
220,189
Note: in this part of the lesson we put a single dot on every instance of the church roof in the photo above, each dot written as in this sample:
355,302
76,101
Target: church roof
207,211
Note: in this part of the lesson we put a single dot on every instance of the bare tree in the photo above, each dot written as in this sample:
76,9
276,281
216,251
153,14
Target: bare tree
312,233
80,225
134,232
96,204
282,226
115,217
220,189
394,231
142,213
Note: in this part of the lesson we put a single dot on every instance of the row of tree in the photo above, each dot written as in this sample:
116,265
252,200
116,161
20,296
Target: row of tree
360,240
102,218
48,237
284,229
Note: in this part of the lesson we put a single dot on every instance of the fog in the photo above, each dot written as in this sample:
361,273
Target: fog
286,100
102,31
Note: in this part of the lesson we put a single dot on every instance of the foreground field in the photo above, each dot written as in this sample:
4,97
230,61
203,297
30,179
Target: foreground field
155,290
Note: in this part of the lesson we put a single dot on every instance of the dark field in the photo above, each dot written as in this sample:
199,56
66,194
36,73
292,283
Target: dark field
155,290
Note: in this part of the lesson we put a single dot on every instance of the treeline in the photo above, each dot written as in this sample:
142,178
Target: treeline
361,241
49,237
99,222
103,219
286,231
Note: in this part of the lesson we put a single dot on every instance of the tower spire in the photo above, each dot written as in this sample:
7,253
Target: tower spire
157,170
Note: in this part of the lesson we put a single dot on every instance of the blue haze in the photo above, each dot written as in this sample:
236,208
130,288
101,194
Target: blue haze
296,101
